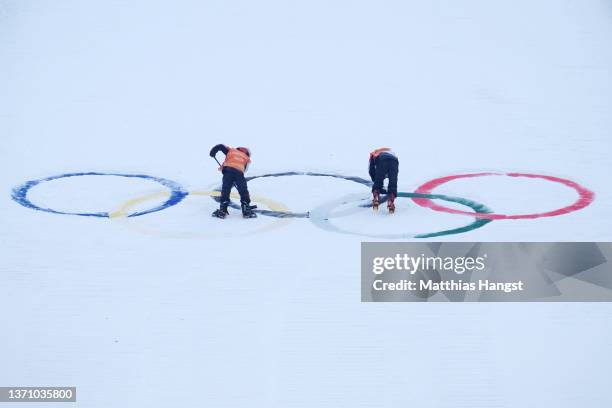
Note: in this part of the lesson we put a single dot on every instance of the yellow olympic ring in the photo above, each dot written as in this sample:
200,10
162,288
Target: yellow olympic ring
124,210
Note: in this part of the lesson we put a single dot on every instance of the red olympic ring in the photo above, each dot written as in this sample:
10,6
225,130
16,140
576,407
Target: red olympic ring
585,196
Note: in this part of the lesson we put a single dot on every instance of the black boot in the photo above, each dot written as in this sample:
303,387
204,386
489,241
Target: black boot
247,210
222,211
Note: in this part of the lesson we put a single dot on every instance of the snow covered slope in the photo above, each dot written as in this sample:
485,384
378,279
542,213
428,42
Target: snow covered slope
175,308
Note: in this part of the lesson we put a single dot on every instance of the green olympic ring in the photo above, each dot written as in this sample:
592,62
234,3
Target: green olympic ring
321,216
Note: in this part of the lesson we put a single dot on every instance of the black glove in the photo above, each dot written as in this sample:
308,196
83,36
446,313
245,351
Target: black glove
217,148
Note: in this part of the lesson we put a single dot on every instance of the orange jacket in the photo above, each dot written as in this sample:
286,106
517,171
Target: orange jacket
236,159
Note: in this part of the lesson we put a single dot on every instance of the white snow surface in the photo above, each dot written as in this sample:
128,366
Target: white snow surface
177,309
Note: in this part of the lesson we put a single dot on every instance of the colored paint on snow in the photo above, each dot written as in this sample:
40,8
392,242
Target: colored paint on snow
177,193
125,208
321,216
422,196
585,196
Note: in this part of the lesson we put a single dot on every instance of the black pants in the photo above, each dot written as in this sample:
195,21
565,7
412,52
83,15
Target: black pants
386,168
232,176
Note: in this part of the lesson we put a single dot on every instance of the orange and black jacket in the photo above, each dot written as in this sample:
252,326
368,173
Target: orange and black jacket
384,153
234,158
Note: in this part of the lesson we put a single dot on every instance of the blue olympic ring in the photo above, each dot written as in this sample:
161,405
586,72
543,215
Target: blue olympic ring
177,193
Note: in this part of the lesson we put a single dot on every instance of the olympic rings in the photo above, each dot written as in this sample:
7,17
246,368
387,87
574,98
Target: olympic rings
124,209
585,196
321,215
177,193
289,214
